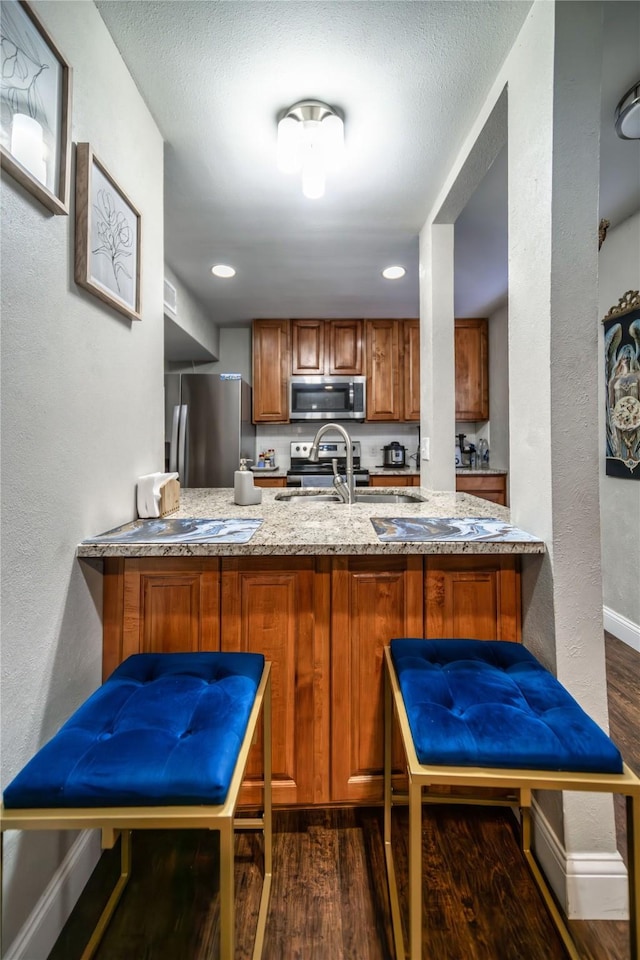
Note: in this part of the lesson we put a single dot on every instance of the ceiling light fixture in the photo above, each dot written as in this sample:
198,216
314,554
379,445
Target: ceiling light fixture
628,114
310,141
393,273
222,270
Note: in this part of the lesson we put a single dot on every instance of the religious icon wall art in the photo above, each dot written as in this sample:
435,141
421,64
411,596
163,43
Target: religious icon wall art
622,387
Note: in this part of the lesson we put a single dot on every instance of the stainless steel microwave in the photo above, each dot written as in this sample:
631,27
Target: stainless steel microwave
327,398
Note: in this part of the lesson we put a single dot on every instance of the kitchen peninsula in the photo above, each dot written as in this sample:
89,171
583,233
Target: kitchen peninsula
318,591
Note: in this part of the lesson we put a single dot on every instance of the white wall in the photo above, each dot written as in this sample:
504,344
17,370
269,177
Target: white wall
499,388
619,271
190,332
81,420
553,143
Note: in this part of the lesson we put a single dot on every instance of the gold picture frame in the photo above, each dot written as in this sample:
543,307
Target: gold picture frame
35,102
108,242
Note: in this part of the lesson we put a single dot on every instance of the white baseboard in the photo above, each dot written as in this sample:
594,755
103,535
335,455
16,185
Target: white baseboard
38,935
622,628
589,886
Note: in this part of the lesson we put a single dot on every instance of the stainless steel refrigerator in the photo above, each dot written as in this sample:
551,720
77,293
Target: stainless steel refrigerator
208,427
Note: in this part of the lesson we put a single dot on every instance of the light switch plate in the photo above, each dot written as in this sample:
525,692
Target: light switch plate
425,448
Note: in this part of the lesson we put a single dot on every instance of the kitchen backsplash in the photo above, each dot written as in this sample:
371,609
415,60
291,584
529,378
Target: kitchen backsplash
372,436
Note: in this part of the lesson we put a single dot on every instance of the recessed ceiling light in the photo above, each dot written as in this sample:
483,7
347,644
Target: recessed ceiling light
393,273
222,270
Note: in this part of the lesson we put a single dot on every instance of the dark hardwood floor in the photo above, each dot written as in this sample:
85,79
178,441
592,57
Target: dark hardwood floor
329,896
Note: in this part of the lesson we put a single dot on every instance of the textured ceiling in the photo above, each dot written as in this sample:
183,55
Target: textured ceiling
409,78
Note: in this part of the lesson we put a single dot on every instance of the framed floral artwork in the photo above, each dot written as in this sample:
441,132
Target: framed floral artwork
108,236
622,386
35,107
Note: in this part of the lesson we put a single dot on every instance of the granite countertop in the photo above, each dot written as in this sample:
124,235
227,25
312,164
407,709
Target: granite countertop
479,472
310,528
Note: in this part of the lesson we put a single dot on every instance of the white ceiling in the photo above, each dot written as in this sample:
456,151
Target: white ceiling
409,77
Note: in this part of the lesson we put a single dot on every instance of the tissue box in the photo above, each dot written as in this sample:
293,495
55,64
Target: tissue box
158,494
169,497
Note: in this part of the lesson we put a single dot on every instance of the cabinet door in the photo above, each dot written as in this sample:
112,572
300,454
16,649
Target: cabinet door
269,481
372,601
474,597
472,369
307,346
345,347
379,481
160,605
271,363
383,378
489,487
411,368
269,607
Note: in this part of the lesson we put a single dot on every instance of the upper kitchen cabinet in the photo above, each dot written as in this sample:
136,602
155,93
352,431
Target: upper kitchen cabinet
393,369
329,347
472,369
271,366
411,369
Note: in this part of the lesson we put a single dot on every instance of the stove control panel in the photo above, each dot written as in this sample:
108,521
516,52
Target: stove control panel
327,449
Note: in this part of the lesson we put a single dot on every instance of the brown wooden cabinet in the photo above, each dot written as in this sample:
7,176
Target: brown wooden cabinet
393,481
370,604
329,347
393,369
478,598
271,365
489,486
160,605
383,370
259,481
411,370
472,369
323,622
276,608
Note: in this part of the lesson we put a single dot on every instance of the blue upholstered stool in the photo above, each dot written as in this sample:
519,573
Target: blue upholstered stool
164,742
476,713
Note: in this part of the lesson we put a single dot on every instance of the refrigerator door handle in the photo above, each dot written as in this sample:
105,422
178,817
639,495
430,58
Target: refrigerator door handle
182,445
173,442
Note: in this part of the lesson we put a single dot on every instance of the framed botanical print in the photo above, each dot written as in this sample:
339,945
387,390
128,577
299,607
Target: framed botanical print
108,236
622,386
35,107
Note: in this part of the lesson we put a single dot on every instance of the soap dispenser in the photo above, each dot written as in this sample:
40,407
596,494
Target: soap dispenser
244,491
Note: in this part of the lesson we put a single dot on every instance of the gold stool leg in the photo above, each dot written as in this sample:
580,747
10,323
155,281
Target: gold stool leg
267,828
415,870
112,902
227,906
633,847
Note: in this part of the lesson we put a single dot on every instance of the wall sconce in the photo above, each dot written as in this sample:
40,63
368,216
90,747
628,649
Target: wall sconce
628,114
310,141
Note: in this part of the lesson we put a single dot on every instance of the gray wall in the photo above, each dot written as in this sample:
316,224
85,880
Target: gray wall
81,420
619,271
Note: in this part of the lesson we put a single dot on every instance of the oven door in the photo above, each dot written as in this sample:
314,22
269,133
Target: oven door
327,398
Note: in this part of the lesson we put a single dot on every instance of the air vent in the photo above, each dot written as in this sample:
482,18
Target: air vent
170,297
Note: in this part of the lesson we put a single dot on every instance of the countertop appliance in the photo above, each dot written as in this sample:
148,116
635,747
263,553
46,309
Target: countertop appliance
208,427
304,473
327,398
394,455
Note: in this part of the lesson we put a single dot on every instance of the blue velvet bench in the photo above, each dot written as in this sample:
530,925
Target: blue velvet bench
163,743
486,714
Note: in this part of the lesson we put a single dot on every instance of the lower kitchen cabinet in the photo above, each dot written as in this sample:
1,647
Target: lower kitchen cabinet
277,608
378,481
478,598
159,605
369,606
323,622
487,486
269,481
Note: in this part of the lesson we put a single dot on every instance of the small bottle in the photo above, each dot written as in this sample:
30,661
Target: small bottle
244,492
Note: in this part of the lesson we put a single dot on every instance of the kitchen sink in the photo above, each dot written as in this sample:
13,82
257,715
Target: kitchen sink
373,497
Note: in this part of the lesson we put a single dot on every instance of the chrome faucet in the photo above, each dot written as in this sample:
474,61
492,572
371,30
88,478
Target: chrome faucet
345,490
